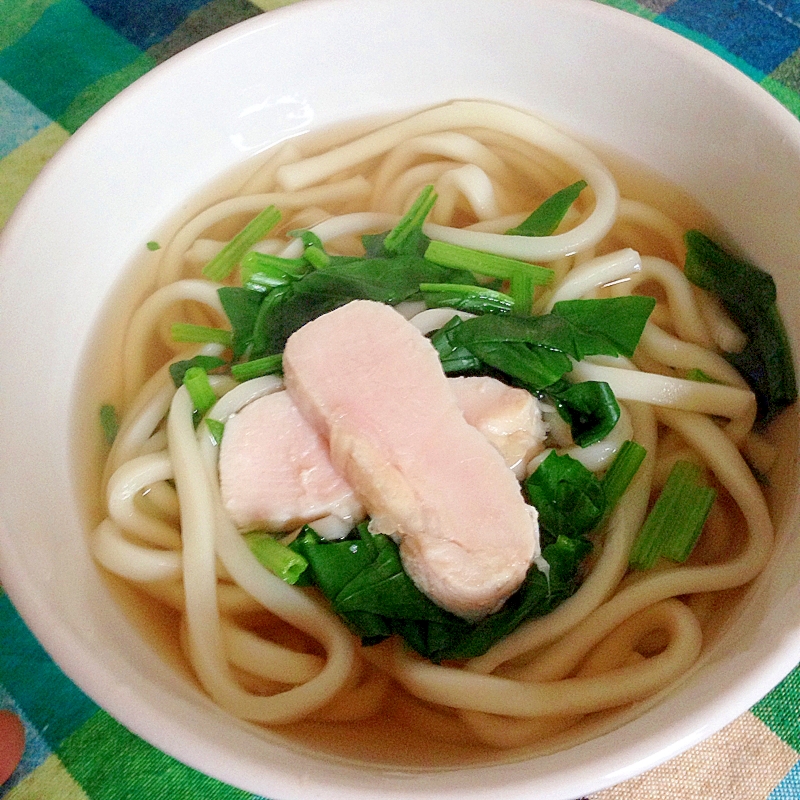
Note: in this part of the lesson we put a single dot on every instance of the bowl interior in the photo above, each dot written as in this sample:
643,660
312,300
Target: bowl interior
608,76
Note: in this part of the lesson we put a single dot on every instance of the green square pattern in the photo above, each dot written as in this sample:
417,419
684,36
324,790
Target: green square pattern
71,48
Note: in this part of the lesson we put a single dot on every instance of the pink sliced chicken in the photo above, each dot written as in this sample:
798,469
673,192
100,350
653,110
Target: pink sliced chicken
275,473
372,386
510,418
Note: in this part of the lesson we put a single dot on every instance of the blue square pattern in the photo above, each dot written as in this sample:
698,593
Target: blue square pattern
761,32
143,24
20,120
789,787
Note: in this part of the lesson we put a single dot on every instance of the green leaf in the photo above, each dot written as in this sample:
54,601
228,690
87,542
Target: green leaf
536,367
748,295
258,368
676,519
469,298
453,357
590,408
189,332
216,429
622,471
569,498
208,363
109,422
195,379
221,266
537,350
406,237
262,272
364,580
619,321
455,256
241,306
547,217
383,279
523,290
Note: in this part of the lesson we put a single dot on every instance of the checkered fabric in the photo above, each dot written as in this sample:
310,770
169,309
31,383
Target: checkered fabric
60,60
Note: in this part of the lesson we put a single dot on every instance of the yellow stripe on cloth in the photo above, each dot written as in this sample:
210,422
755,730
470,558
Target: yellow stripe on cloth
744,760
49,779
21,166
269,5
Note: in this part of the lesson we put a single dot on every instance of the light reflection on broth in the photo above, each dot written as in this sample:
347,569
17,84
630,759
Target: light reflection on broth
404,730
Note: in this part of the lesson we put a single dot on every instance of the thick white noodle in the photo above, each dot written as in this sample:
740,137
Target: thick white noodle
471,183
172,260
681,297
132,561
145,320
463,114
449,145
649,217
125,484
595,273
570,695
202,538
674,352
661,390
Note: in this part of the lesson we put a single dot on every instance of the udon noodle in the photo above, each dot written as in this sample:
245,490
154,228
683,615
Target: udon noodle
275,654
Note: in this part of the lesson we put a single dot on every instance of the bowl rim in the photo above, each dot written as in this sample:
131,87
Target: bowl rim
160,728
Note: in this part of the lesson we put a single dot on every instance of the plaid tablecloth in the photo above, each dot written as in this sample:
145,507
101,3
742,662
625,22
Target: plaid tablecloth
60,60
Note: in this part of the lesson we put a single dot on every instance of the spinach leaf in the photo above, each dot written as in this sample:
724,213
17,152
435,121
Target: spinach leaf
617,322
547,217
241,306
367,586
537,350
472,299
590,409
382,279
535,367
569,498
748,295
407,238
453,357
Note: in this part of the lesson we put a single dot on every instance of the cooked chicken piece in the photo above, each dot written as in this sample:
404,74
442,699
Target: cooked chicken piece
372,385
275,473
509,418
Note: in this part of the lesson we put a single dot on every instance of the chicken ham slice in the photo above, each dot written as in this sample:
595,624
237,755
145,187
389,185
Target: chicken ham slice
275,469
373,387
510,418
275,473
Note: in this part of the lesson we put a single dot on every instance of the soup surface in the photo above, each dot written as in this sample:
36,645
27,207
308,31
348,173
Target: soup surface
614,638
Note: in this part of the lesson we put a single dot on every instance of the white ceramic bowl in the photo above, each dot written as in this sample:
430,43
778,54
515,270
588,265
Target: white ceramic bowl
610,76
